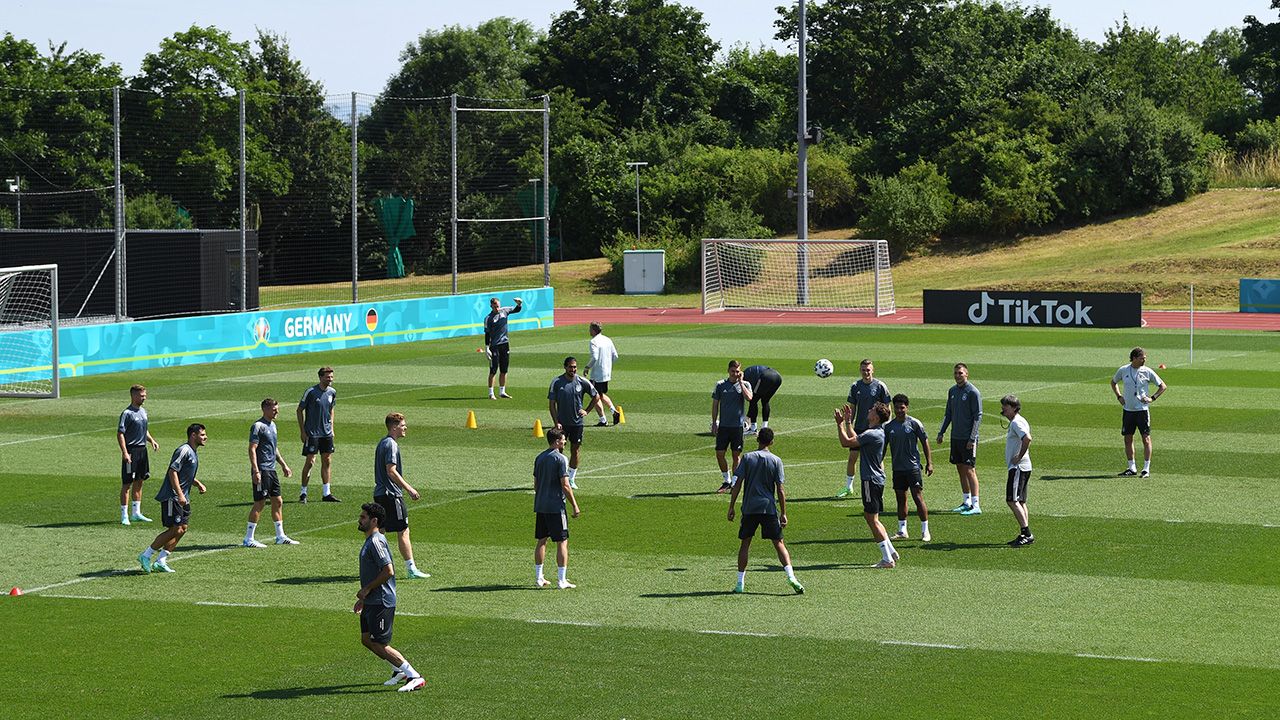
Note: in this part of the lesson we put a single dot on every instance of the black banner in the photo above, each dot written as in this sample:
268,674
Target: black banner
1045,309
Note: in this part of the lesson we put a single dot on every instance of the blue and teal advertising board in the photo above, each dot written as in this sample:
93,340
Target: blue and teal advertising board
1259,296
117,347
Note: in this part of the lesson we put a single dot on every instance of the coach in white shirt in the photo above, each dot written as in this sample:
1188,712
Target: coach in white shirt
1132,386
600,370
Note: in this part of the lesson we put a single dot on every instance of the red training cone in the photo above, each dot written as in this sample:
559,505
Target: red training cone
15,592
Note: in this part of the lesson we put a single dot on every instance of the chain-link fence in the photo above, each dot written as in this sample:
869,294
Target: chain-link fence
286,200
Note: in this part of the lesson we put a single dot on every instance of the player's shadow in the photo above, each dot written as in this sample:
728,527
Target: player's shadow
820,498
110,572
696,593
481,491
294,693
185,549
483,588
833,566
953,546
314,580
1051,478
86,523
833,541
639,496
236,504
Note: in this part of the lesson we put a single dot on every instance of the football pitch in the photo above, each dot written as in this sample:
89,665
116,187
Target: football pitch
1140,598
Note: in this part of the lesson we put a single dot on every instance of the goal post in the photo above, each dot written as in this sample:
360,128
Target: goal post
29,331
745,274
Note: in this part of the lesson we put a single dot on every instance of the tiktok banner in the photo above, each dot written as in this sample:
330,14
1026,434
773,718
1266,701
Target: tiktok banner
1033,309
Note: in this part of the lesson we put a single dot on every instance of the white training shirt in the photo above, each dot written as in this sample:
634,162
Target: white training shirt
603,353
1018,428
1137,385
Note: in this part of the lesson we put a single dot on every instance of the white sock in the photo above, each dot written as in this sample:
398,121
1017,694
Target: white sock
325,488
248,532
537,572
726,475
148,552
975,501
968,499
573,474
742,577
408,670
304,491
137,504
279,528
502,388
791,574
409,564
560,571
848,482
1146,465
124,511
162,555
764,424
924,527
1133,465
886,551
902,526
490,391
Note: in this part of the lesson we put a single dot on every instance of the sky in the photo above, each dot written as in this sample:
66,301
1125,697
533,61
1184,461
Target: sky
355,46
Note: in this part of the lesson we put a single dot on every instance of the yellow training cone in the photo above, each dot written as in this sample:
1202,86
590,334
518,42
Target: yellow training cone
537,428
622,417
471,419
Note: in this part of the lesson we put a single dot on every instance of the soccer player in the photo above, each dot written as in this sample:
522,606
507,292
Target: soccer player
600,370
726,419
550,488
133,435
764,382
496,345
1135,379
904,435
175,500
863,393
564,402
1016,453
263,456
376,599
964,415
389,487
759,478
315,425
871,467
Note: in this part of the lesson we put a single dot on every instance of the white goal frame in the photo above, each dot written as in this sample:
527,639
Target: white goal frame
19,334
793,283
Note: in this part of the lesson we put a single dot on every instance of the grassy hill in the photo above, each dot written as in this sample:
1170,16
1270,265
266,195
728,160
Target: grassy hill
1212,240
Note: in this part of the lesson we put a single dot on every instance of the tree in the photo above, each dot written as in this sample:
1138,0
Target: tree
1259,64
646,60
755,92
489,60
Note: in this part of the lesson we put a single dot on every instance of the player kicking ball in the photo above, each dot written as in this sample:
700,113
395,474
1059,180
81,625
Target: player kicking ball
376,599
759,477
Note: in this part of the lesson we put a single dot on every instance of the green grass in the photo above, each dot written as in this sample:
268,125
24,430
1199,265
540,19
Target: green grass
1178,574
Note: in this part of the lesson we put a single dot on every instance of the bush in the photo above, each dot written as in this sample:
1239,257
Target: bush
909,208
1258,137
149,211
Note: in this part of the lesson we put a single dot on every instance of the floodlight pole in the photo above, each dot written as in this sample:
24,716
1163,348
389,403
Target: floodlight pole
637,166
802,181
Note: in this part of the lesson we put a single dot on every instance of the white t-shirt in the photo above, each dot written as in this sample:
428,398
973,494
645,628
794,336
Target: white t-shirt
1018,428
603,353
1137,385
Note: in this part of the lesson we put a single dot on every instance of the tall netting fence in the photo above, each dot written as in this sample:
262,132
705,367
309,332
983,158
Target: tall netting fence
159,204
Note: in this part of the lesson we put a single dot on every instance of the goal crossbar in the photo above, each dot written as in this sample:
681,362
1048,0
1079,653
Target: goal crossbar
799,275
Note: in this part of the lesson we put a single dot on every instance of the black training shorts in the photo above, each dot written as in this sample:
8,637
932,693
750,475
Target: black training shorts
729,436
553,526
397,515
770,526
377,621
1015,488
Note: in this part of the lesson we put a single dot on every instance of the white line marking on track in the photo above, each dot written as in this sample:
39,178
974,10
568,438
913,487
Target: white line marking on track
736,632
1118,657
229,604
565,622
944,646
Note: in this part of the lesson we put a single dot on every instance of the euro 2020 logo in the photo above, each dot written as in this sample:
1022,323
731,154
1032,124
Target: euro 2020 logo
262,330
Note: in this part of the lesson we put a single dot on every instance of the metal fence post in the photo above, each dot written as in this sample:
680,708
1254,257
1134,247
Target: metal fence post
546,191
453,185
244,261
355,218
118,223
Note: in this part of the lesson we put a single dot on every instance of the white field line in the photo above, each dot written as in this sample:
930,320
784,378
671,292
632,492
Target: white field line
1119,657
565,622
943,646
229,604
736,632
77,597
189,556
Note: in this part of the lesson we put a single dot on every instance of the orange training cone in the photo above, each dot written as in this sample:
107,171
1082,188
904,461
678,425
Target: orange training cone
622,417
537,428
471,420
15,592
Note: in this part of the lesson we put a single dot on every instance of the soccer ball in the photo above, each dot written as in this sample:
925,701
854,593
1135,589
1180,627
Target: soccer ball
823,368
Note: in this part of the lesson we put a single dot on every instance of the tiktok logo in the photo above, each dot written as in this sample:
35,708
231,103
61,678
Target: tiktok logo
978,310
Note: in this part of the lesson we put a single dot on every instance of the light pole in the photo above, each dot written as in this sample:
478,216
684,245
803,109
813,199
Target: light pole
637,166
15,186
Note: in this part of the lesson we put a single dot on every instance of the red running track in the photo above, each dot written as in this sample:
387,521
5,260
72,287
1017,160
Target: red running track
1214,320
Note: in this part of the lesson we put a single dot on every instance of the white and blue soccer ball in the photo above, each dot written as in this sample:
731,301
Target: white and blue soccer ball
823,368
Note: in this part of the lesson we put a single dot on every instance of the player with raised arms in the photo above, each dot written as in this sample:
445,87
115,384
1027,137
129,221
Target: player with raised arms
871,468
727,399
759,477
863,393
497,346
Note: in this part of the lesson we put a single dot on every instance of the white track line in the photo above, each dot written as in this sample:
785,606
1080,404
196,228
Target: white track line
736,632
943,646
1118,657
189,556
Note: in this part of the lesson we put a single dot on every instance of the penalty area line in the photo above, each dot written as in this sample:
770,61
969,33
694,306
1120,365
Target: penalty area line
907,643
1128,658
215,603
564,622
736,632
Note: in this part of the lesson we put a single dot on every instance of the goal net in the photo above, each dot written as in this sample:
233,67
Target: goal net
29,331
797,275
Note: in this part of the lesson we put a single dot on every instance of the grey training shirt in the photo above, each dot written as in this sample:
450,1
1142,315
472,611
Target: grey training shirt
871,457
388,453
549,469
375,555
903,438
317,407
495,325
185,462
568,396
760,473
862,396
263,433
964,412
133,425
730,397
